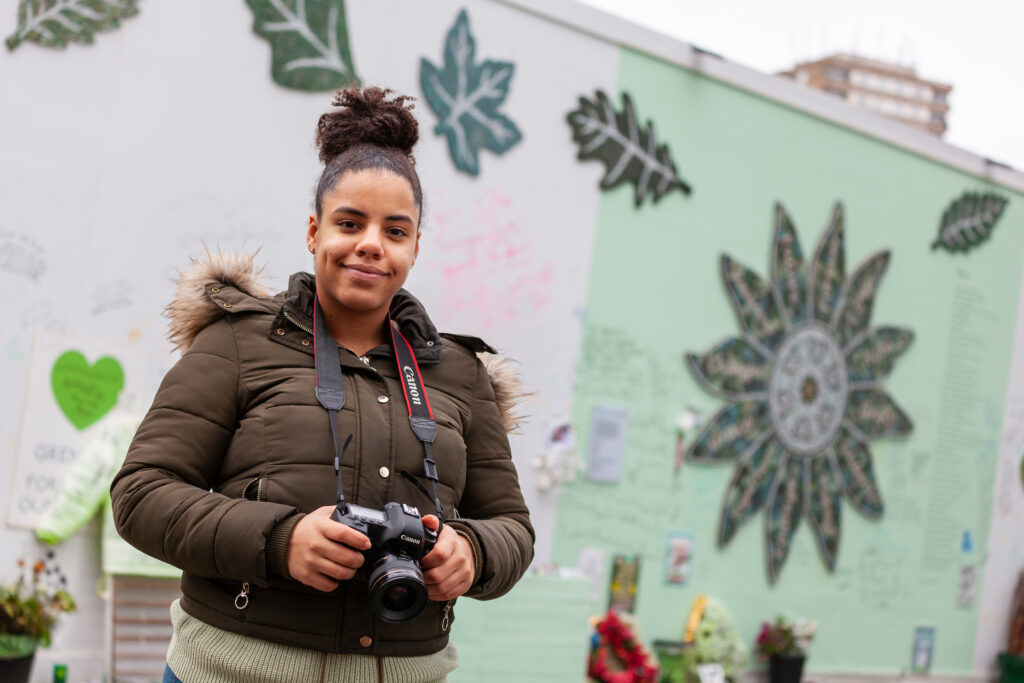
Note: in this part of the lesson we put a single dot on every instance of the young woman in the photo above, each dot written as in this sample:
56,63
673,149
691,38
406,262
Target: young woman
232,478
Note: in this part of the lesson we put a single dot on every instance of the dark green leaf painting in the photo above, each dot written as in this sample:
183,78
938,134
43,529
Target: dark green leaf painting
55,23
803,385
466,96
969,221
630,153
308,40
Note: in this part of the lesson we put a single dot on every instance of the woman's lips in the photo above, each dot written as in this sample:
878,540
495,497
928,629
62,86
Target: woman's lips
361,272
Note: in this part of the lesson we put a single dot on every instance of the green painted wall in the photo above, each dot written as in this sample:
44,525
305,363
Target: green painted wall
656,293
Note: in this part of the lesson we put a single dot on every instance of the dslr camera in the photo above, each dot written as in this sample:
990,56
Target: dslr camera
392,568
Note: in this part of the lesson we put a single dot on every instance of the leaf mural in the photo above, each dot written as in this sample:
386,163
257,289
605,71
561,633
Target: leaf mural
308,41
969,221
55,23
629,153
466,97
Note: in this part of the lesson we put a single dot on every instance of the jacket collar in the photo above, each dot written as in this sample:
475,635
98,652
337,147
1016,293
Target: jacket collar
406,312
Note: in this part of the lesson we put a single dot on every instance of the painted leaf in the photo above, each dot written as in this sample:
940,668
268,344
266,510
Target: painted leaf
828,269
969,221
55,23
876,416
753,302
857,473
788,267
731,369
466,96
860,297
628,152
874,357
730,433
823,506
783,514
308,40
749,488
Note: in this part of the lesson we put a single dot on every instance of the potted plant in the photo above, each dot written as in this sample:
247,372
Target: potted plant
785,644
28,611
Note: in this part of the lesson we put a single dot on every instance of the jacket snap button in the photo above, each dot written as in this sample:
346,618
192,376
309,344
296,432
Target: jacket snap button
366,641
430,343
384,472
214,289
382,399
305,342
280,332
227,305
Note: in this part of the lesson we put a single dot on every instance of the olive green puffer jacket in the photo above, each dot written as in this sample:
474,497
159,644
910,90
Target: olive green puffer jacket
236,448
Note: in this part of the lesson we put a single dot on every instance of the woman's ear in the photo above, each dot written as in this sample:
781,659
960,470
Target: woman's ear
311,234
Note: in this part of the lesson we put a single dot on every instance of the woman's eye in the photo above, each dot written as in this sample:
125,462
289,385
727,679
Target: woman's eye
397,232
347,225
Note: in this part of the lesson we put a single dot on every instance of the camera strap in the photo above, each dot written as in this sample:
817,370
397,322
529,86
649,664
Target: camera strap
330,392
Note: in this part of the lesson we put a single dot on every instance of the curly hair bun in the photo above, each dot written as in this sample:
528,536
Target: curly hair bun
367,116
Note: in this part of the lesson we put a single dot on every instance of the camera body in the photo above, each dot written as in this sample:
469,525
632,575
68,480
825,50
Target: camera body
398,541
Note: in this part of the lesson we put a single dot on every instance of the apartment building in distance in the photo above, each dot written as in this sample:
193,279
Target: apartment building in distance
888,89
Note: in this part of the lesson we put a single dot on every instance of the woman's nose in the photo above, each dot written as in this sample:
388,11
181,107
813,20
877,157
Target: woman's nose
371,241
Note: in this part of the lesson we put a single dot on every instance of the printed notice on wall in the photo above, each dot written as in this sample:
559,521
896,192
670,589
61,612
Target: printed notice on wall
73,385
607,444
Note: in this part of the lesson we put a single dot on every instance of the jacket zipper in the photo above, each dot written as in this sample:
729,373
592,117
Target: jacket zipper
242,599
297,324
444,614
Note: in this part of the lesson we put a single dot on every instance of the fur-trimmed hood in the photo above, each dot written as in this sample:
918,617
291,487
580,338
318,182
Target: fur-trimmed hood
193,309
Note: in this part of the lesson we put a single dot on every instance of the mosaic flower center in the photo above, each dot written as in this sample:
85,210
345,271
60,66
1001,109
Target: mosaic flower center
807,390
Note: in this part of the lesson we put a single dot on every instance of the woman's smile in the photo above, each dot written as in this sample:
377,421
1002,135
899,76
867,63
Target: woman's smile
364,272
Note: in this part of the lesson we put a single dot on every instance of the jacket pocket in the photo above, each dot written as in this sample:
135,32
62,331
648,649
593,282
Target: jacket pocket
255,489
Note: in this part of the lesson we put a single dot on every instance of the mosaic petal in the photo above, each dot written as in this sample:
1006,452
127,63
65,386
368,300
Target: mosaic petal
753,302
783,514
730,433
874,357
732,368
857,472
876,415
750,486
823,509
788,267
828,269
860,297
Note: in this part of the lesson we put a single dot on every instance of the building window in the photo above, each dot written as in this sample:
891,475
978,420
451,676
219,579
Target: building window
834,74
836,91
940,96
938,118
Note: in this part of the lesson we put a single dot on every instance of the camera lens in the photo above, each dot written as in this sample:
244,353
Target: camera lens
398,597
397,591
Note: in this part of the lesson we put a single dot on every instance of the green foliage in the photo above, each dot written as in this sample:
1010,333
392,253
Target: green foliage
29,607
717,641
969,221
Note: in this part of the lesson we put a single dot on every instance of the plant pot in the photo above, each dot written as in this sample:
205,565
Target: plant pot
16,669
671,660
1011,668
785,668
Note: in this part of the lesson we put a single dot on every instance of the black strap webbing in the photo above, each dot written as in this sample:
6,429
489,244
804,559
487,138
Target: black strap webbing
330,392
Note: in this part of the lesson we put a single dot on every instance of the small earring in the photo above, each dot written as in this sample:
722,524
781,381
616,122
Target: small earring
312,249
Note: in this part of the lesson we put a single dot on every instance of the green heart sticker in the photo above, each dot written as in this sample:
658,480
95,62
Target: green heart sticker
84,392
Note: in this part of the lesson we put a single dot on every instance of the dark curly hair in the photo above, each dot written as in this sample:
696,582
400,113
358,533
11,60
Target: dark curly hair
369,130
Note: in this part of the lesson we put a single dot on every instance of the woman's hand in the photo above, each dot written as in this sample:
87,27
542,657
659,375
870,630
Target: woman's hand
448,569
322,552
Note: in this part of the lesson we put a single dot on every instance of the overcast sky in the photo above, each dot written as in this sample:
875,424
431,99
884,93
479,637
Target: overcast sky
978,48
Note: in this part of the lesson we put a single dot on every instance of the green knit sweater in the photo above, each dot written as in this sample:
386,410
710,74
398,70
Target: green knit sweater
200,653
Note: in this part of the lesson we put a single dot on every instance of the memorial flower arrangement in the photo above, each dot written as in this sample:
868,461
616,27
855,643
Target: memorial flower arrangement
617,656
29,607
715,639
784,637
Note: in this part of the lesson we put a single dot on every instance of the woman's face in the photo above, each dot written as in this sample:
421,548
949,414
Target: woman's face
365,241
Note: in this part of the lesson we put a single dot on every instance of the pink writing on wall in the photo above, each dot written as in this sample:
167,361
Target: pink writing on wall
491,274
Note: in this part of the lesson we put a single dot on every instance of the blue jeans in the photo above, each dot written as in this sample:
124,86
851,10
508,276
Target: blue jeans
169,676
